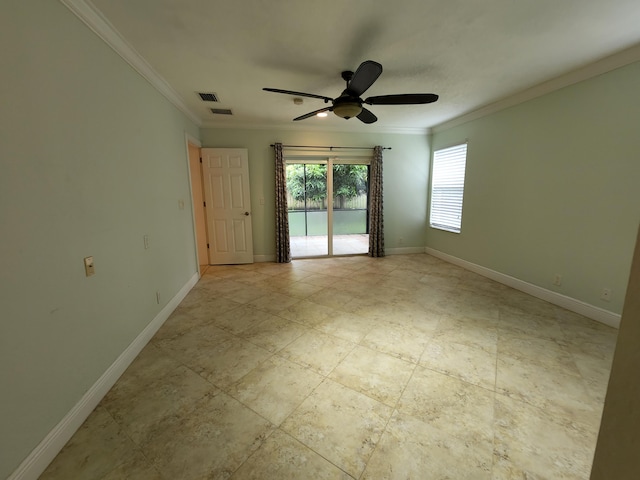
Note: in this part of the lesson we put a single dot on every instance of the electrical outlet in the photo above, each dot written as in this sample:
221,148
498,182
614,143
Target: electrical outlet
147,242
158,297
180,204
557,279
606,294
401,241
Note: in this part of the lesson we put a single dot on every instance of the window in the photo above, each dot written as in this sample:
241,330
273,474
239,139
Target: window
447,188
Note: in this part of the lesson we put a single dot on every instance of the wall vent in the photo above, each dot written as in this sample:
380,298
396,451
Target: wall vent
208,97
221,111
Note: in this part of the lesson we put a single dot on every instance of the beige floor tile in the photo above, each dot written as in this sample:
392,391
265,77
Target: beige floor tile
545,353
341,425
378,375
275,388
282,457
413,449
595,373
318,351
469,363
178,323
274,302
461,303
320,279
531,325
240,319
150,363
590,338
206,309
396,340
274,333
350,327
138,468
477,372
211,444
331,297
474,332
300,290
96,449
531,443
137,406
229,361
566,395
237,291
309,313
194,343
450,404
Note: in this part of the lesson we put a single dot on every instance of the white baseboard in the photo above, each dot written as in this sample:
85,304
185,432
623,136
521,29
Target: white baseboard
590,311
38,460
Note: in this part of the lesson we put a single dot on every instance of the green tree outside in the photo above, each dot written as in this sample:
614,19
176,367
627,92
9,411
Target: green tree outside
349,181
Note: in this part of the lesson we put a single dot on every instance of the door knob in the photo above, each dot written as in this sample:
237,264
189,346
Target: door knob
246,214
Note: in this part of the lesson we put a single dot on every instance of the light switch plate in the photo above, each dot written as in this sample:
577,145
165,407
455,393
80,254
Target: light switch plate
89,268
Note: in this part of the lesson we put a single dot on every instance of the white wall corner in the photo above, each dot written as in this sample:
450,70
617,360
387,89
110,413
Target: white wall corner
590,311
40,458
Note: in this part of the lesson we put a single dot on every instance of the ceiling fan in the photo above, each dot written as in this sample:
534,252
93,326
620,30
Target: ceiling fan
349,104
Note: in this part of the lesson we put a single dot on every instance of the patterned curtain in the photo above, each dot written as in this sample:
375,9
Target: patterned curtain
376,223
283,248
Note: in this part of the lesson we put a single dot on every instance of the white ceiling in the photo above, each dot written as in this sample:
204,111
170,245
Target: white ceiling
470,52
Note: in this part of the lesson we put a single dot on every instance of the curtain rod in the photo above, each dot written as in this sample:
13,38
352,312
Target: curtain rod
330,148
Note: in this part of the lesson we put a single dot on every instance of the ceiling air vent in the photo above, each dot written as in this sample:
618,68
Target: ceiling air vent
208,97
221,111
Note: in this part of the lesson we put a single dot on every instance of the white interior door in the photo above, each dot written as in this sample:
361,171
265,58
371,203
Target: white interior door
225,172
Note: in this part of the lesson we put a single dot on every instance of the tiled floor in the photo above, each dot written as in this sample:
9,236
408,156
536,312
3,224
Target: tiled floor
317,245
353,368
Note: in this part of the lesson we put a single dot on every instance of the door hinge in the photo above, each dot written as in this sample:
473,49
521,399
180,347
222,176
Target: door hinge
207,245
204,203
200,159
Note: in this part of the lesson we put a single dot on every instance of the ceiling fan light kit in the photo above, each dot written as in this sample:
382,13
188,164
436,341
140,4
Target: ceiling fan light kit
347,110
349,104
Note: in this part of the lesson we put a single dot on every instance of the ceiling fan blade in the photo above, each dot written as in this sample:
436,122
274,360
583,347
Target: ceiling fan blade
298,94
366,116
311,114
402,99
367,73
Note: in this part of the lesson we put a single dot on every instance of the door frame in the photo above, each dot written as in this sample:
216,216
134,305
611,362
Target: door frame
196,209
321,158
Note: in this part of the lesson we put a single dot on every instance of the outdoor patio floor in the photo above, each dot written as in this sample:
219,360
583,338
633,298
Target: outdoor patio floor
314,246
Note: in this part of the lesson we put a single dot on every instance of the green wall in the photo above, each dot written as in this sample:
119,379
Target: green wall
405,183
553,186
92,158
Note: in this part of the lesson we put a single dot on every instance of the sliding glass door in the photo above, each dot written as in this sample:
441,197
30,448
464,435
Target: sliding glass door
350,208
328,207
308,209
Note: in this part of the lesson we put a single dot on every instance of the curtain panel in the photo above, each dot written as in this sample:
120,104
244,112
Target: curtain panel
376,223
283,248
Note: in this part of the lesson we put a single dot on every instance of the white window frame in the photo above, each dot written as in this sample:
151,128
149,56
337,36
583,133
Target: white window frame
447,187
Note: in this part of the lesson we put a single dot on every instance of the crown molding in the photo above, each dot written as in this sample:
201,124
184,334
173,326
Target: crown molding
93,19
604,65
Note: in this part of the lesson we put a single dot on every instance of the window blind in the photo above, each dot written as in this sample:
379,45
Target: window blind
447,188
